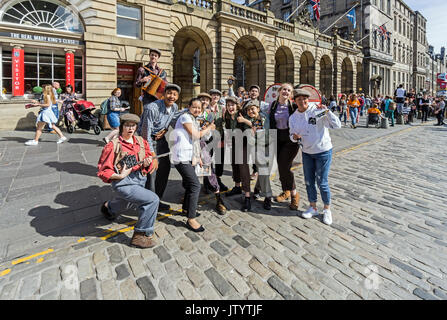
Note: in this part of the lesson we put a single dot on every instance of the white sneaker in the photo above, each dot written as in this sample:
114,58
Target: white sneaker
309,213
61,140
327,217
32,143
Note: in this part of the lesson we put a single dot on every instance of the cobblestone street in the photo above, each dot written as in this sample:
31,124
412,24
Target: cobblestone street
388,239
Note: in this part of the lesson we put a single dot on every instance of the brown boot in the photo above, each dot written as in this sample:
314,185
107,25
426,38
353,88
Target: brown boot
220,205
285,195
140,240
295,202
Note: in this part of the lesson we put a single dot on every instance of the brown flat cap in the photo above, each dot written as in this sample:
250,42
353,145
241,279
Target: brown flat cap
300,92
204,94
215,91
254,86
129,117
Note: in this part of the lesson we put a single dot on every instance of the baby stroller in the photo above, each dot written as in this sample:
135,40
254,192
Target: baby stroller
80,115
373,119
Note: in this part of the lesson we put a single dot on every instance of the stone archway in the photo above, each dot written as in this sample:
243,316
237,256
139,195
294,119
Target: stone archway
307,68
326,76
360,88
284,65
193,60
347,76
249,63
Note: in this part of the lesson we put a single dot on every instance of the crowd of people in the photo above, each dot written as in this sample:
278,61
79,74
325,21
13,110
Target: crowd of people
409,105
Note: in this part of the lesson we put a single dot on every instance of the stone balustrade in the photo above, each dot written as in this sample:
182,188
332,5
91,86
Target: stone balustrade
286,26
247,13
205,4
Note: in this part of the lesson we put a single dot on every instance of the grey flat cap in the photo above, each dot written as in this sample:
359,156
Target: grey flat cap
231,99
300,92
252,103
173,86
129,117
155,50
254,86
215,91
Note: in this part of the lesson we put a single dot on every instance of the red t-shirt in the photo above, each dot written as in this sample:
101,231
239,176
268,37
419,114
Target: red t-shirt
106,162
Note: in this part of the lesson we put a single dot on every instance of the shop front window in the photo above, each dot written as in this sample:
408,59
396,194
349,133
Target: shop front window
42,67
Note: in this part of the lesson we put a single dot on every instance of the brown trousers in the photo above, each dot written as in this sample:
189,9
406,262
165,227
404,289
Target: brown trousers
286,153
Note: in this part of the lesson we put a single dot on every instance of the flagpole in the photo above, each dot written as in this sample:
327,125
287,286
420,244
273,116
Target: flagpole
294,11
337,20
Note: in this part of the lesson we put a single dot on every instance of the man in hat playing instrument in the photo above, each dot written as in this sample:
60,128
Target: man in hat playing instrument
143,74
156,119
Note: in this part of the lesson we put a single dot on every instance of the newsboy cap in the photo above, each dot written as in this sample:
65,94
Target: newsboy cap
300,92
231,99
254,86
215,91
252,103
204,94
172,86
129,117
156,51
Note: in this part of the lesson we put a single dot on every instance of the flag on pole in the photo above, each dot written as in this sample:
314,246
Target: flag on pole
316,8
352,17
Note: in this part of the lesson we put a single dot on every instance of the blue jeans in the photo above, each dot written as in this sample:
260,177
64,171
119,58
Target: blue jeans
316,169
353,114
345,115
131,190
55,109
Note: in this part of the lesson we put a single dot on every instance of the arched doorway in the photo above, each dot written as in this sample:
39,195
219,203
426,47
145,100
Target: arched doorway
249,63
307,68
193,63
284,65
326,76
347,76
360,88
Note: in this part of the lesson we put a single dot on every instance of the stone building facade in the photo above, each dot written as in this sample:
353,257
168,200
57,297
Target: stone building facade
112,39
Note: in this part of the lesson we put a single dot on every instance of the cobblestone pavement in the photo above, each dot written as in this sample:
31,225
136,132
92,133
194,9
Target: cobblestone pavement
388,240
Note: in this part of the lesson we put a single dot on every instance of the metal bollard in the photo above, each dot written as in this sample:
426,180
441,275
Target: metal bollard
385,124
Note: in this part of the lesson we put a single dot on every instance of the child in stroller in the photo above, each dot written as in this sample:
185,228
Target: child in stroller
374,116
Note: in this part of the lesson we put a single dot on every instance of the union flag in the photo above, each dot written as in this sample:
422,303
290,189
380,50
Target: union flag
316,6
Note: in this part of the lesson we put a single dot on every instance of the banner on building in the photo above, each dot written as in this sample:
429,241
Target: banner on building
69,69
18,72
442,77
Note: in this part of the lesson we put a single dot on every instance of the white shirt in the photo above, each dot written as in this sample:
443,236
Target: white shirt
182,149
314,130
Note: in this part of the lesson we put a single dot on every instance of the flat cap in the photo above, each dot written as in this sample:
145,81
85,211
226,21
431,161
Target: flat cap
254,86
129,117
155,50
300,92
231,99
172,86
215,91
204,94
252,103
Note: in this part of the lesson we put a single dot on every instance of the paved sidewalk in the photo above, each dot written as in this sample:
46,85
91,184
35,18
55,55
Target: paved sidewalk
54,244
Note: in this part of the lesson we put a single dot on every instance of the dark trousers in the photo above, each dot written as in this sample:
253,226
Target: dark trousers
286,153
191,184
424,113
241,171
158,181
220,166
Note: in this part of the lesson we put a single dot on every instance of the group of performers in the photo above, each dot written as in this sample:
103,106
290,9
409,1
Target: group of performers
137,162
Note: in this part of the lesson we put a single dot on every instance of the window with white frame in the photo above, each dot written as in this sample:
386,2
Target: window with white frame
128,21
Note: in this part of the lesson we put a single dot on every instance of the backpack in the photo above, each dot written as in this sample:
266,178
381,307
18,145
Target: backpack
105,107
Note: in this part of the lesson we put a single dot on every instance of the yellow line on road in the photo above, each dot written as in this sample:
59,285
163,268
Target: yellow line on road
5,272
31,257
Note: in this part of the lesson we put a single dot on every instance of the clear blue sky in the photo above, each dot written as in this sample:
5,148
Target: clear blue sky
435,11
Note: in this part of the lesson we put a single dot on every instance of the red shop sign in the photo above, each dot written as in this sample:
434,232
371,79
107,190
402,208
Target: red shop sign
18,72
125,70
69,69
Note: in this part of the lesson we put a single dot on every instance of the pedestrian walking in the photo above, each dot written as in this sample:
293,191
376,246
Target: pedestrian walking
128,179
343,108
46,117
389,108
311,124
113,114
399,97
425,104
332,103
406,109
353,105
